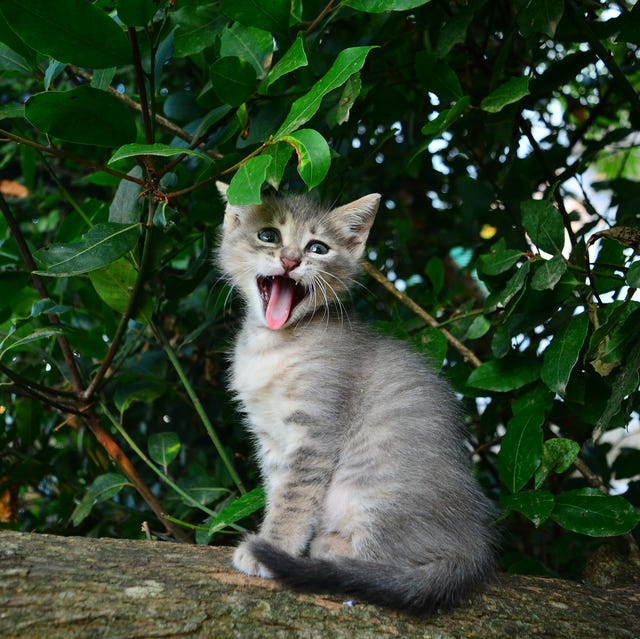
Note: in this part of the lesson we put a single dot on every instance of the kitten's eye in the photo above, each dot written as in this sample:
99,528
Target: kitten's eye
271,236
319,248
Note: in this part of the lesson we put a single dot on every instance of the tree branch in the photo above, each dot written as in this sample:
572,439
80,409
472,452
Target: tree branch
454,342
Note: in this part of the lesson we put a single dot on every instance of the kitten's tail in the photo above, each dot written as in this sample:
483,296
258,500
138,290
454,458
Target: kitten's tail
420,589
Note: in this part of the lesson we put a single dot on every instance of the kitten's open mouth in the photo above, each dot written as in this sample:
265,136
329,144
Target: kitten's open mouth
280,295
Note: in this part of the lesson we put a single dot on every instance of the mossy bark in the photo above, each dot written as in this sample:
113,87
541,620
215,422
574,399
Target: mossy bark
72,587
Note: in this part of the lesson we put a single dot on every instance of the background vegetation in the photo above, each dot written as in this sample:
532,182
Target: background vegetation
503,137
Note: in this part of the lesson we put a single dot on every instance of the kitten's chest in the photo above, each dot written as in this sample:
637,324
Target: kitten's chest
263,376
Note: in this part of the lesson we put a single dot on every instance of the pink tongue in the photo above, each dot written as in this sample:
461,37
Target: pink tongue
280,302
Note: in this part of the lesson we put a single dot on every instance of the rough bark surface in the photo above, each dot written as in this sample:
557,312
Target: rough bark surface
71,587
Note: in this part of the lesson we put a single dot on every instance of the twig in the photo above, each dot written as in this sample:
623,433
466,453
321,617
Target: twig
96,166
321,16
455,343
231,169
38,284
197,404
142,89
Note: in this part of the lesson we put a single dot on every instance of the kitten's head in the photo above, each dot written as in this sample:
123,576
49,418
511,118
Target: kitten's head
289,257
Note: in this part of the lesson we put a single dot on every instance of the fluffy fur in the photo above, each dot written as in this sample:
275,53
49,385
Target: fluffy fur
360,445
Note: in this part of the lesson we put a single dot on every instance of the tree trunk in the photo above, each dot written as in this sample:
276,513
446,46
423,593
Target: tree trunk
71,587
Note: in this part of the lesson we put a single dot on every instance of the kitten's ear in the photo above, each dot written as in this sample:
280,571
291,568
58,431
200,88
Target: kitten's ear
231,212
222,189
356,218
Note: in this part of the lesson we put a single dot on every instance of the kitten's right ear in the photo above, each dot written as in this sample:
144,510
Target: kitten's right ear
356,218
231,212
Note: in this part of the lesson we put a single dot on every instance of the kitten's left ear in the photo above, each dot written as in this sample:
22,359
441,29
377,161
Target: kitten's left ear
231,212
356,218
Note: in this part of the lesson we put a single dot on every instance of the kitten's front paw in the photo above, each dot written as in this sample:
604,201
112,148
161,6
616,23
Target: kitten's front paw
244,561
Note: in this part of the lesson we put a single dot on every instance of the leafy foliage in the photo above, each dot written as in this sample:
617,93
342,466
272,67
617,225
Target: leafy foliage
503,138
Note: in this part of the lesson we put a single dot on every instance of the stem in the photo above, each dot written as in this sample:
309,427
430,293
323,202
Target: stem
96,166
116,453
197,404
142,89
138,451
321,16
231,169
129,312
466,353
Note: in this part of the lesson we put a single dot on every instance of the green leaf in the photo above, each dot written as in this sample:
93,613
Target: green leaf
558,455
164,447
12,61
536,506
293,59
114,284
314,156
633,275
139,390
446,118
511,91
72,31
348,62
233,80
249,44
83,115
541,16
272,16
433,344
438,77
498,260
213,117
350,93
103,487
197,27
13,340
11,41
157,149
562,354
521,449
101,245
380,6
539,399
515,285
11,111
609,343
242,507
137,13
627,382
543,222
590,512
279,154
627,463
125,206
501,375
548,274
247,183
478,328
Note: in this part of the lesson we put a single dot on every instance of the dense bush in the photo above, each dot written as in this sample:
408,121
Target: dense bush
503,137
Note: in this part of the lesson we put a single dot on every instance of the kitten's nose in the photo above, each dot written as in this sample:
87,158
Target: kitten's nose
289,263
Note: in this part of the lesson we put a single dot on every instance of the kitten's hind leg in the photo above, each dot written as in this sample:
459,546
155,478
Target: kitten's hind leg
330,545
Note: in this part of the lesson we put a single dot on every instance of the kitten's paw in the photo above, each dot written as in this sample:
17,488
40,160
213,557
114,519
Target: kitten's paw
244,561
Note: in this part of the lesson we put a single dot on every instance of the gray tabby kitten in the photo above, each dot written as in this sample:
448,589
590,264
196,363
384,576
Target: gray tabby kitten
359,444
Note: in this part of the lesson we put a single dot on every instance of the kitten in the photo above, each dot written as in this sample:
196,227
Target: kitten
359,444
